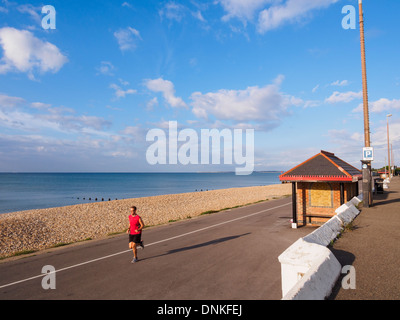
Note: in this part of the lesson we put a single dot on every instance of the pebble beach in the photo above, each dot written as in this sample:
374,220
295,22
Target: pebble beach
34,230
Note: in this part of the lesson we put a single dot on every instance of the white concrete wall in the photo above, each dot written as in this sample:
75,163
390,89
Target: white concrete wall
309,270
318,282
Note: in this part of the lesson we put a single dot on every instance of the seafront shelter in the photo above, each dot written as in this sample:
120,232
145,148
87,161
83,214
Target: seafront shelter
320,185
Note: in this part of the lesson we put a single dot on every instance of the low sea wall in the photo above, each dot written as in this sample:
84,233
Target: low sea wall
309,269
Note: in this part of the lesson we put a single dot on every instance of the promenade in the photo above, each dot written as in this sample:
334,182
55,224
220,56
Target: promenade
372,246
229,255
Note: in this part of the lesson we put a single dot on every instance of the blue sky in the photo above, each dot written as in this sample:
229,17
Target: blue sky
83,96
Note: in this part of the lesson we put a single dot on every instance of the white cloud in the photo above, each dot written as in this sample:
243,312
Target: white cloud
173,11
288,12
344,97
243,10
340,83
10,102
312,103
123,82
59,138
120,93
127,4
17,113
379,135
346,145
133,134
54,120
166,87
34,12
50,154
106,68
349,140
130,130
177,12
265,104
350,143
272,14
151,104
24,52
127,38
384,105
198,16
40,105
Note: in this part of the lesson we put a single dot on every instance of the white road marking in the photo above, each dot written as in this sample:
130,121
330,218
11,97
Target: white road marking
148,245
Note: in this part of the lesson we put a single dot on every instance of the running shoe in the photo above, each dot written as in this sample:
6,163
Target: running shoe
141,245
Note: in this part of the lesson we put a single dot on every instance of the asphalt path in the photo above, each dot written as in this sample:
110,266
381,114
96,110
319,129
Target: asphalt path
229,255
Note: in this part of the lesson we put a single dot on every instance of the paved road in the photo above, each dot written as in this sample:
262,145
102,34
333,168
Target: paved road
224,256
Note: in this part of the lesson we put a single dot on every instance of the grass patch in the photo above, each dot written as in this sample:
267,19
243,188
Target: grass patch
349,227
209,212
25,252
61,244
20,253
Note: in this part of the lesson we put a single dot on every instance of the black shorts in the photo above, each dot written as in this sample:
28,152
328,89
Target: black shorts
136,238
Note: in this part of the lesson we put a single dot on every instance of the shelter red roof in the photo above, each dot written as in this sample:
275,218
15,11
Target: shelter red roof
324,166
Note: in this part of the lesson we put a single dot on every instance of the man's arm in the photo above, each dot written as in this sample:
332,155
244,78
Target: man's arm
141,224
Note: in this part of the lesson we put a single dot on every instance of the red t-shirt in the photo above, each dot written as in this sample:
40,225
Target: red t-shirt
134,224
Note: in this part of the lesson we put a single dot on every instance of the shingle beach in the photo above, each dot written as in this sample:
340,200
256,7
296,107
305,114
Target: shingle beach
45,228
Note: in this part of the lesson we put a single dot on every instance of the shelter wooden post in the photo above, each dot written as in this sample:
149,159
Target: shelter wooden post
341,193
294,205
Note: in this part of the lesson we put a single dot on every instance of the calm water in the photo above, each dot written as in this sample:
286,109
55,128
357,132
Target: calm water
25,191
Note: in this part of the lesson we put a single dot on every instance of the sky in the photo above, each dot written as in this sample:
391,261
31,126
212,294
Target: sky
83,95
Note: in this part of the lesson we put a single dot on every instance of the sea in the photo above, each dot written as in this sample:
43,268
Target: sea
26,191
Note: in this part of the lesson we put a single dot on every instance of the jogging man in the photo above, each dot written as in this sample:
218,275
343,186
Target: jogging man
135,233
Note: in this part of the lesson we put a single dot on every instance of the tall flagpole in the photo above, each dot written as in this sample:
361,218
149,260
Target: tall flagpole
367,194
364,78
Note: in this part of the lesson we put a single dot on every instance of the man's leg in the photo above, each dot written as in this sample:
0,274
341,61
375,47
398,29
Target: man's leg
141,245
134,249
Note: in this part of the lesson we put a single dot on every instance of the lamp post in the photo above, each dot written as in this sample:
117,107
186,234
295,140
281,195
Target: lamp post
366,185
385,168
392,157
387,120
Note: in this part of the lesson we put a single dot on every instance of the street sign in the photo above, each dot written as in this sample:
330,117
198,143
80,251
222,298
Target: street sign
368,154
